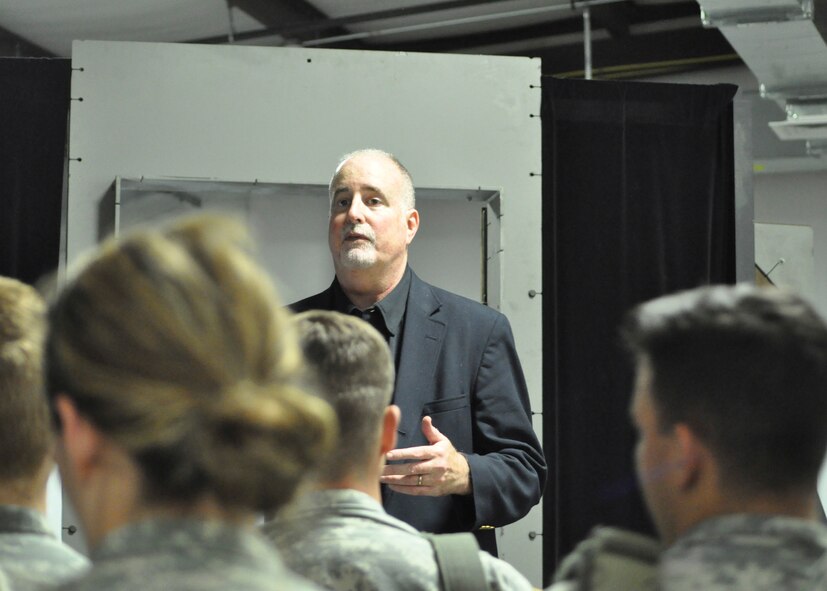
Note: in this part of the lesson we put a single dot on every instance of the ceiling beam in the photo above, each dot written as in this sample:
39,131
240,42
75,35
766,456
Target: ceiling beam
614,18
638,54
633,15
14,45
641,55
314,27
275,14
468,42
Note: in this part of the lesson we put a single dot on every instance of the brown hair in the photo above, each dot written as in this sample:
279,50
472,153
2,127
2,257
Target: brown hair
26,437
173,343
354,372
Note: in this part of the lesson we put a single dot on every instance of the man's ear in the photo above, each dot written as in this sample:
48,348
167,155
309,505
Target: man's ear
689,456
80,440
412,221
390,423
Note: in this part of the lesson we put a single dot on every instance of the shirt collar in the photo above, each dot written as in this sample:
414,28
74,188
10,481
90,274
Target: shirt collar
182,537
22,520
392,307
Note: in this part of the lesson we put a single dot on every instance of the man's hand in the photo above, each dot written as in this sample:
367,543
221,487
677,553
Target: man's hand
431,470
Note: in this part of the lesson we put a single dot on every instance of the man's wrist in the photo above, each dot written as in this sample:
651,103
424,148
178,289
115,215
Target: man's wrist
468,487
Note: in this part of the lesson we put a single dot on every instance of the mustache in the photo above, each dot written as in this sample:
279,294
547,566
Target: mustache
362,229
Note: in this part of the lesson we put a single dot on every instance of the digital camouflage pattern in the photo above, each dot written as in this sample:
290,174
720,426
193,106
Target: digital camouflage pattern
748,553
344,540
30,555
183,555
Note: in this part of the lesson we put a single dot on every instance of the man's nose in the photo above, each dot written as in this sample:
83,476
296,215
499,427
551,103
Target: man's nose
356,211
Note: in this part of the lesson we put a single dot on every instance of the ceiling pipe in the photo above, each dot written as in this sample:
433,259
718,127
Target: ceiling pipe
316,26
450,23
587,42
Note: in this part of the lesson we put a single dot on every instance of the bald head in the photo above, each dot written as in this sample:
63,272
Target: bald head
406,188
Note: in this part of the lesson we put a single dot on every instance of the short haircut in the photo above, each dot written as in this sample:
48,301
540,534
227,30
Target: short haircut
408,194
351,363
173,343
746,369
25,435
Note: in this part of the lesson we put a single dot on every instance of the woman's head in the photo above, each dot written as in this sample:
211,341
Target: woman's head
172,345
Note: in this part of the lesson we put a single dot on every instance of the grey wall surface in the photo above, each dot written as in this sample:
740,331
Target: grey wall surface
799,199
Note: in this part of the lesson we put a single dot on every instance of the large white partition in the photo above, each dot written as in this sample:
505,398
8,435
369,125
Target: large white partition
467,127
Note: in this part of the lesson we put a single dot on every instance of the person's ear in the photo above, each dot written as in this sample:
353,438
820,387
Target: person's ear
390,424
688,460
80,440
412,221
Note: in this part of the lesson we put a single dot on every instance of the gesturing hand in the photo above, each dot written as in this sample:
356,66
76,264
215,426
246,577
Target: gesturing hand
434,470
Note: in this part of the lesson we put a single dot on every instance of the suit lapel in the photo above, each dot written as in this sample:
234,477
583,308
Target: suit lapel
320,301
424,333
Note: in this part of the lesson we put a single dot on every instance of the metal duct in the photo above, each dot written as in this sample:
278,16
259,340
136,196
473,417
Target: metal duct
783,43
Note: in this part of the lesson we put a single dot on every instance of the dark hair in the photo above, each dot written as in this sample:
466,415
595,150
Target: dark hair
746,369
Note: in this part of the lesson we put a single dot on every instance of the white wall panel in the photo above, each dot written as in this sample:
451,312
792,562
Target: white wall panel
285,115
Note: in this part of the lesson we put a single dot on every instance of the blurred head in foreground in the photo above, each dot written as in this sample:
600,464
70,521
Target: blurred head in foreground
729,404
172,375
26,450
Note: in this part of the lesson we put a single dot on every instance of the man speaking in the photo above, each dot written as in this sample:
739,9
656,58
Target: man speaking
468,456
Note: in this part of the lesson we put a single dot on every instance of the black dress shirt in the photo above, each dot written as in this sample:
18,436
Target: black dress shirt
387,316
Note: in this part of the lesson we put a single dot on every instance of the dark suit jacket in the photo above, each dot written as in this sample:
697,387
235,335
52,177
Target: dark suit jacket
458,364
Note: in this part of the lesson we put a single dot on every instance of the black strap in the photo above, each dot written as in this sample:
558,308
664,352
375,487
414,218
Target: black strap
458,561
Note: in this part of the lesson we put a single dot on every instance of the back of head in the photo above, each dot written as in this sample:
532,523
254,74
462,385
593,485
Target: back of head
173,344
25,438
746,369
351,363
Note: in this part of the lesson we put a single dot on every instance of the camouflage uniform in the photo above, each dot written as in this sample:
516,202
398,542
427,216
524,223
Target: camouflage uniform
187,554
746,552
30,556
344,540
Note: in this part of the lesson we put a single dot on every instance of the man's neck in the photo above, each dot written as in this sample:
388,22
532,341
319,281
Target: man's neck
23,496
802,506
365,485
794,505
367,287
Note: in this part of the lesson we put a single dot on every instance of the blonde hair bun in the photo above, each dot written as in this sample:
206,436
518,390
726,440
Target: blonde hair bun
173,342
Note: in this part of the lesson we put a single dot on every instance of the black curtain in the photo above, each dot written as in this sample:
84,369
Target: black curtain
639,199
34,106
